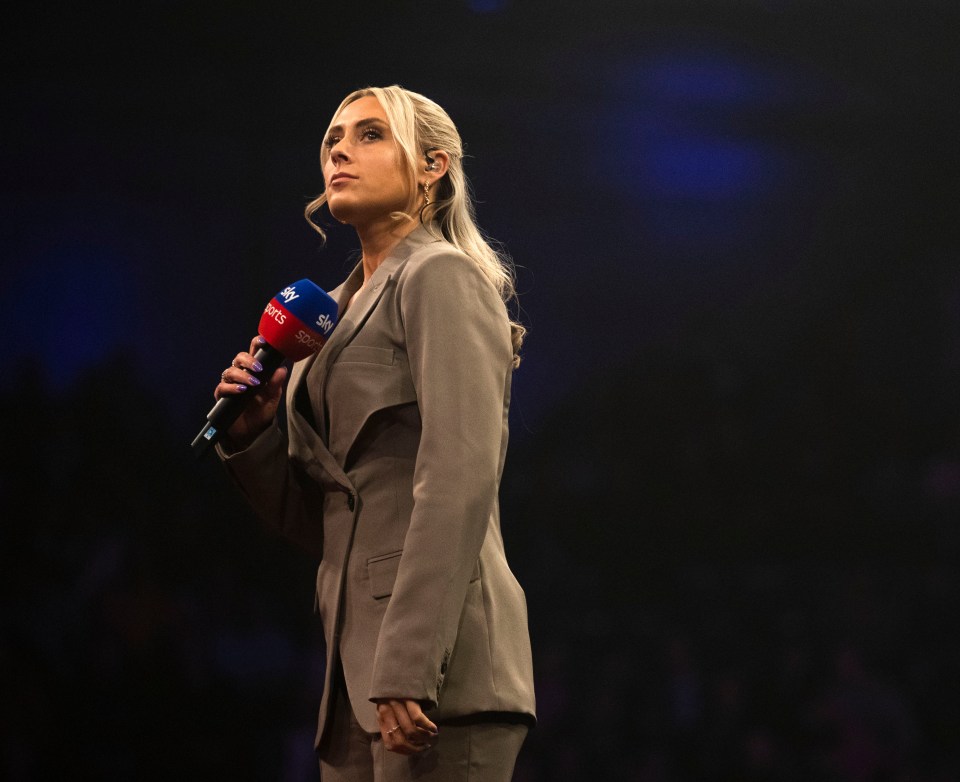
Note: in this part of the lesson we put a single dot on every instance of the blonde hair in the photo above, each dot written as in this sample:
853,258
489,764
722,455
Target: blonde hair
420,126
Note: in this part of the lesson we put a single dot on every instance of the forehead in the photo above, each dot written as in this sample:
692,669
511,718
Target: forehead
367,107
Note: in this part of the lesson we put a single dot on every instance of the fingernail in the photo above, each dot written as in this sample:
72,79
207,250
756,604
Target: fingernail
241,388
257,366
261,340
254,381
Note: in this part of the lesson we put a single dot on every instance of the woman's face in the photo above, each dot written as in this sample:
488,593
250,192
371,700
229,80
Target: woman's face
362,172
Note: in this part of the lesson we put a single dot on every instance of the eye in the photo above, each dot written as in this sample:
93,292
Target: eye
371,134
330,141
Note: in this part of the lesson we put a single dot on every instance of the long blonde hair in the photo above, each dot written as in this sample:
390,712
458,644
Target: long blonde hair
420,126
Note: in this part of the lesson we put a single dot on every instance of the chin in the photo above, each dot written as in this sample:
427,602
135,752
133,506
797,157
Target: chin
340,212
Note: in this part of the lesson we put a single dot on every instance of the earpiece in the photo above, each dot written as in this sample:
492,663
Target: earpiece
432,162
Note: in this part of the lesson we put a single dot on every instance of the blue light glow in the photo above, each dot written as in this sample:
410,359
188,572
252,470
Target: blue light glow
684,135
74,306
487,6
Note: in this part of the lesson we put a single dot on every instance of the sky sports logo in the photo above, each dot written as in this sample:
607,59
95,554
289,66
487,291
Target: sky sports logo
325,323
311,304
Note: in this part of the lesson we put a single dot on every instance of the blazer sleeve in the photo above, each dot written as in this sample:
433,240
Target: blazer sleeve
271,484
458,343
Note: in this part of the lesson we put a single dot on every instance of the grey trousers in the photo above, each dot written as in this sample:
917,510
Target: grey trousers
480,750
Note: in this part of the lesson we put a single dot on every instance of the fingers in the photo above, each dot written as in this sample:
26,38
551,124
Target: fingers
392,716
241,374
423,723
241,377
404,727
265,392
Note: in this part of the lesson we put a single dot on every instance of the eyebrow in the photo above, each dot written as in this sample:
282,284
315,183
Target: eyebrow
359,124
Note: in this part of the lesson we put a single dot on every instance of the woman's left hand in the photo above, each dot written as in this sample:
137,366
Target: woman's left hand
406,730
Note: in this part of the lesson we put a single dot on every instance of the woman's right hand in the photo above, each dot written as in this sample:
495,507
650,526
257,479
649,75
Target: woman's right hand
258,414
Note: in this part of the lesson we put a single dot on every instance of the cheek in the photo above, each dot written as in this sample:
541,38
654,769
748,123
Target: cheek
398,180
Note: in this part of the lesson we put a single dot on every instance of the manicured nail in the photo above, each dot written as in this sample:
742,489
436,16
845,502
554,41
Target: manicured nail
257,366
261,341
254,381
241,388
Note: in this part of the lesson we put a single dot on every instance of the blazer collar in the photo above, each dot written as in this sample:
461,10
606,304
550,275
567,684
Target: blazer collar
350,321
367,296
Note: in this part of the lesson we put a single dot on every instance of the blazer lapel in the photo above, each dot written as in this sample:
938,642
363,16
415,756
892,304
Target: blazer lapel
313,441
308,440
363,304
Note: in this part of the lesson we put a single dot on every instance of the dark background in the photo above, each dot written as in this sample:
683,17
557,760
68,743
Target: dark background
733,488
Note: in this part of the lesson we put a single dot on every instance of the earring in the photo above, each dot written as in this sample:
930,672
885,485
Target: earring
426,199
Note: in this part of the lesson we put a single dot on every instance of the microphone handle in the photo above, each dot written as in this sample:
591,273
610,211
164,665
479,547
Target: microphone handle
228,408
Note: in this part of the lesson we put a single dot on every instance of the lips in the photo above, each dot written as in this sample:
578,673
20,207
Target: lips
340,178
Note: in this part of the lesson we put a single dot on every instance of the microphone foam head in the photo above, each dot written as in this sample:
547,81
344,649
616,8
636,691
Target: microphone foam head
298,320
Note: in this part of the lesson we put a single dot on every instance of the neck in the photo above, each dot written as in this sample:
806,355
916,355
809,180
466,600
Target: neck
378,240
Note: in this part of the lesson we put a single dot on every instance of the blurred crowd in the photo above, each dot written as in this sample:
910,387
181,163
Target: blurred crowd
726,581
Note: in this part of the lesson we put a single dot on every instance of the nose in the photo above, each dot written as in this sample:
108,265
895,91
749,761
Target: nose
338,154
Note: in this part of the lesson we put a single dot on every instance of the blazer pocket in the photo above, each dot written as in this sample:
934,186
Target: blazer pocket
383,573
365,354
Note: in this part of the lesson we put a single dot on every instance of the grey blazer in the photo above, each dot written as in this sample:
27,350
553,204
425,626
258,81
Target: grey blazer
389,470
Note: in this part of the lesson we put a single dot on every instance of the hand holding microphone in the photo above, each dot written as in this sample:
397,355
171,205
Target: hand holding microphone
261,396
295,323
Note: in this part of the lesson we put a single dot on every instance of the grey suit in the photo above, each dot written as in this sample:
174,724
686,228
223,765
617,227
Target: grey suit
390,470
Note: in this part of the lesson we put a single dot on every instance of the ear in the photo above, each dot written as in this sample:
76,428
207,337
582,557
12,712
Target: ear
435,165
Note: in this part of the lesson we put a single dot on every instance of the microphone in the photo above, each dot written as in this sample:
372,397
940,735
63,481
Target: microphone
295,323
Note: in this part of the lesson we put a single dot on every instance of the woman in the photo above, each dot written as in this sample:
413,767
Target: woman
390,464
